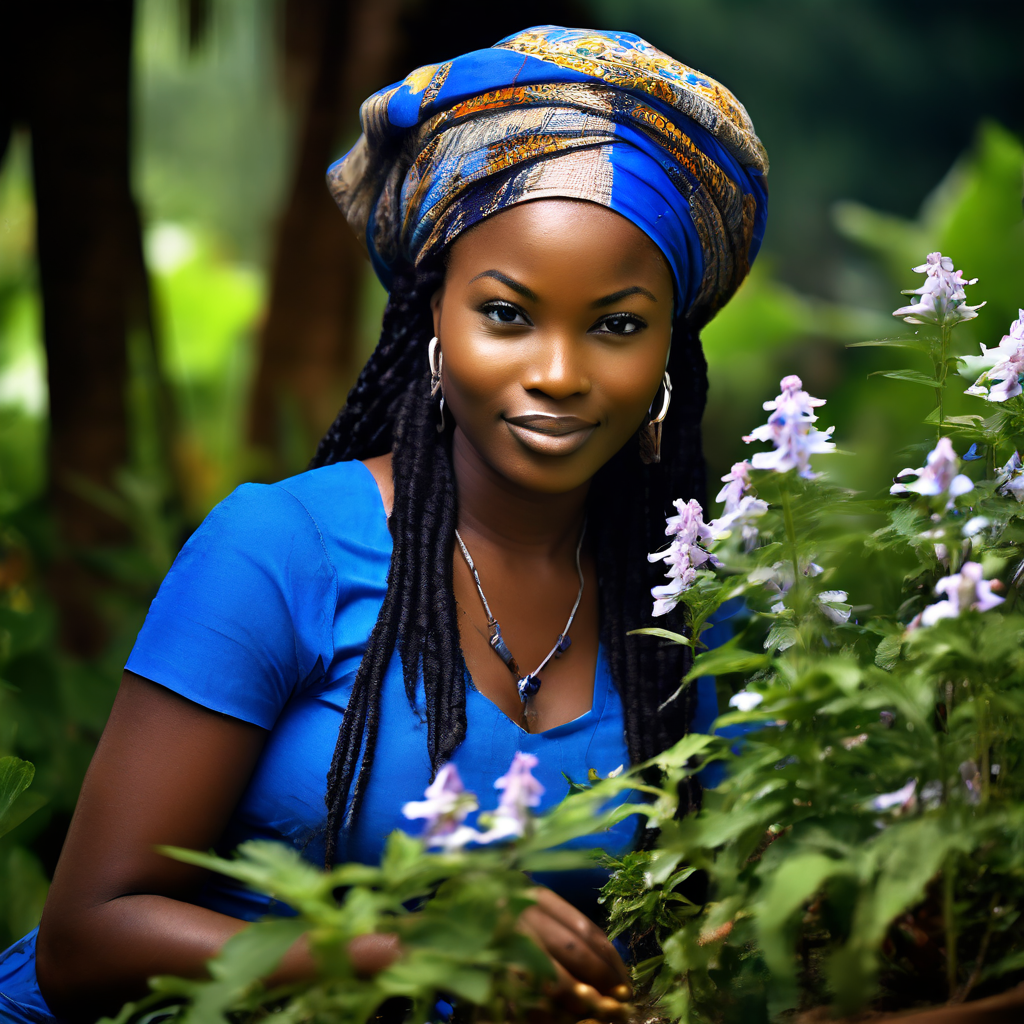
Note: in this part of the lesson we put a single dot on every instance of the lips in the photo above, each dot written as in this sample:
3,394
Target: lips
551,435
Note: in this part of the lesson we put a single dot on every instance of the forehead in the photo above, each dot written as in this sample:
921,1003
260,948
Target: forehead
542,235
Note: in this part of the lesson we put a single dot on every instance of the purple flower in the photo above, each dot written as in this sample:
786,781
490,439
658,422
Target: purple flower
520,791
903,798
966,590
1008,368
737,484
790,428
941,299
938,475
1010,479
742,508
685,555
446,805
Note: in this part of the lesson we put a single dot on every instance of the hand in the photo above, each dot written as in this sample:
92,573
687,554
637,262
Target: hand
592,981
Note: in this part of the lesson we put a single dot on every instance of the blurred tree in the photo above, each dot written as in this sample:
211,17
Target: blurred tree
66,75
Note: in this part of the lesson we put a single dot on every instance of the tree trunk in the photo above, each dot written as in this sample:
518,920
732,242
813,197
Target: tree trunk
75,72
306,357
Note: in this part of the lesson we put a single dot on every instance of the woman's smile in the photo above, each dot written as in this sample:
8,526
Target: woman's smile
550,434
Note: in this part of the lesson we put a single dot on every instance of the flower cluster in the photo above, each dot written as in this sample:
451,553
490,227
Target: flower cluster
742,507
1003,380
444,810
966,590
941,299
448,803
685,555
790,428
938,476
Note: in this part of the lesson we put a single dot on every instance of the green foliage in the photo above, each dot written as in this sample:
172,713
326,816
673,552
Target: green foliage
455,915
865,843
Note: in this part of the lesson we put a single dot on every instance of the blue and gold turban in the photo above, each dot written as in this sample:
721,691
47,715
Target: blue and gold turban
571,113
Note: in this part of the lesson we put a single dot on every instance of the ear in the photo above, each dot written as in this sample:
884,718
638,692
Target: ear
436,303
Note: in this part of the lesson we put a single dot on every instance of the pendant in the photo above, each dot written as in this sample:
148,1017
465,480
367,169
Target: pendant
528,686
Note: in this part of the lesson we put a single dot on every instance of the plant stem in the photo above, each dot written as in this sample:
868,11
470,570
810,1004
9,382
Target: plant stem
940,376
949,920
979,962
787,515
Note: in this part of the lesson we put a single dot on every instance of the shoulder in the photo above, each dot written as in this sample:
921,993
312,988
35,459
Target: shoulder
341,498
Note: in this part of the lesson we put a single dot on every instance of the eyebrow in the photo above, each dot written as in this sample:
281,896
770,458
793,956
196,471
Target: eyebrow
509,283
608,300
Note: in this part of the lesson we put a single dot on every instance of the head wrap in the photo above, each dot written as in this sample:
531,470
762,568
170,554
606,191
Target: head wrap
556,112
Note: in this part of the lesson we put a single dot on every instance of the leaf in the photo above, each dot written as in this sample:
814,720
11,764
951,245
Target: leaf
912,343
910,376
730,657
887,653
794,883
16,776
665,634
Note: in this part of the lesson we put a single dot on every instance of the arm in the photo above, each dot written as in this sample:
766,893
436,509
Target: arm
166,771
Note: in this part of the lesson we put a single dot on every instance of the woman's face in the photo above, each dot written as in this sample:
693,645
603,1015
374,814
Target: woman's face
554,321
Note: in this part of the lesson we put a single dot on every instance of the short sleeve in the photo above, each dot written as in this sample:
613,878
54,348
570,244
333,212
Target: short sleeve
244,617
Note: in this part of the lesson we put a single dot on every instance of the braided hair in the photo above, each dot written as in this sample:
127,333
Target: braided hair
390,409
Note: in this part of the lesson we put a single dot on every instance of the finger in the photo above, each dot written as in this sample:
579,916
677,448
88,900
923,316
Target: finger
567,948
576,921
576,997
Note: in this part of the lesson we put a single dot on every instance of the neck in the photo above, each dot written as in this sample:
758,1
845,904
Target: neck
500,512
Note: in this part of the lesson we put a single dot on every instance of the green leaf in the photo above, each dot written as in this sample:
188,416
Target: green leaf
887,653
798,878
911,376
912,343
730,657
16,776
665,634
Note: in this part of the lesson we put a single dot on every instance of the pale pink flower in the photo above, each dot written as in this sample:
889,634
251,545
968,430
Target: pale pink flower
685,555
941,299
1010,479
939,475
965,591
1003,380
790,428
446,805
520,792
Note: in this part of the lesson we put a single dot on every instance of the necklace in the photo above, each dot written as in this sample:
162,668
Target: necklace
529,684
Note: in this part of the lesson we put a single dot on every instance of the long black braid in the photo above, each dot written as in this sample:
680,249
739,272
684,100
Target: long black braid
390,409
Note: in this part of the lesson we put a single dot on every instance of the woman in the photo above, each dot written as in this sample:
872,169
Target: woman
555,218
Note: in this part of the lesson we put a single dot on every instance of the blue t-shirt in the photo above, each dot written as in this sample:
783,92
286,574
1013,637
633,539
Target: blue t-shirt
265,616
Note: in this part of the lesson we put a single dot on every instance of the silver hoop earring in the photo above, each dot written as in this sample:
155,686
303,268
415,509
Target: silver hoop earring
436,361
650,437
435,358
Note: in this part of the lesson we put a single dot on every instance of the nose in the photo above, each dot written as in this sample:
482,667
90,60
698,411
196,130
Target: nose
557,368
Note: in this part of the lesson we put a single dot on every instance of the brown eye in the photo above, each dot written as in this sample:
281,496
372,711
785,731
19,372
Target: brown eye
504,313
622,324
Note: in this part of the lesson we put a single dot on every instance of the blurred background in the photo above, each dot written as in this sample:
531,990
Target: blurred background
182,308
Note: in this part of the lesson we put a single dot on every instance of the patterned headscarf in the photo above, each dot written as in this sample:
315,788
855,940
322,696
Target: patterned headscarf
556,112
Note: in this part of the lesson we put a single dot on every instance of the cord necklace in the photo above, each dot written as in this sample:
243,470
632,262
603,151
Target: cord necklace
529,684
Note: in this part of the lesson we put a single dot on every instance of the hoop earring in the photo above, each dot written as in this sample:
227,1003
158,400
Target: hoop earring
435,358
650,438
